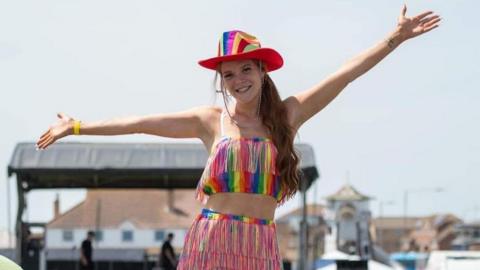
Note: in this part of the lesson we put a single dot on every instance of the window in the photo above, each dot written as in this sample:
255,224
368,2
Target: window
159,235
67,236
127,236
99,236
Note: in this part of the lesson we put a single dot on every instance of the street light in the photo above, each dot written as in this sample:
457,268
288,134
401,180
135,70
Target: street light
405,201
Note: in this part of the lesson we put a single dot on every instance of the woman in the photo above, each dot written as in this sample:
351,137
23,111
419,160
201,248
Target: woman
252,167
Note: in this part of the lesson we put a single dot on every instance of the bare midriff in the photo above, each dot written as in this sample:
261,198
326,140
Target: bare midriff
244,204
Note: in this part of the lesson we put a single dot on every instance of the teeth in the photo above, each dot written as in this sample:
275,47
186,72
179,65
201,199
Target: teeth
243,89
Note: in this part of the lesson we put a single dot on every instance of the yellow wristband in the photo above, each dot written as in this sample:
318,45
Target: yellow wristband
76,127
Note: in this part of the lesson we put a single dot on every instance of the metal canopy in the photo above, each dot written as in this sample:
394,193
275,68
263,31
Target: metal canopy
120,165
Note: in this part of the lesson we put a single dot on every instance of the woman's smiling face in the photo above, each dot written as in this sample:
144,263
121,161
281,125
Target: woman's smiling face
243,79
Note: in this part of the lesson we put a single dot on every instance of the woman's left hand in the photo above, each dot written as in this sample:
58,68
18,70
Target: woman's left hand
410,27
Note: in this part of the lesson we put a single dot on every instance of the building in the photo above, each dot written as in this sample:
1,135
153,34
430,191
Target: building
288,233
348,243
133,221
468,237
390,232
420,234
339,233
350,212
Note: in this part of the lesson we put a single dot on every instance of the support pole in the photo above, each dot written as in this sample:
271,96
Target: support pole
9,215
303,226
19,223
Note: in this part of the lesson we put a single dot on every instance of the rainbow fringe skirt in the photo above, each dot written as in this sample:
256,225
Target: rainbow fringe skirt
225,241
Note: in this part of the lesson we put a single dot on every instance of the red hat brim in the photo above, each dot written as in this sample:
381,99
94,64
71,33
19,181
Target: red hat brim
271,58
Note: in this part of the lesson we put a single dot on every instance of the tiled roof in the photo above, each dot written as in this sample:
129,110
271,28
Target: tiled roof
395,222
412,222
145,208
347,193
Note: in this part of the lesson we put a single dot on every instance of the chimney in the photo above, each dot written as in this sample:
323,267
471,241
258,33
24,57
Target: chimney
170,198
56,207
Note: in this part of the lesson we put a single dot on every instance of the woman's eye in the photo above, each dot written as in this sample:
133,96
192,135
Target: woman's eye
227,76
246,69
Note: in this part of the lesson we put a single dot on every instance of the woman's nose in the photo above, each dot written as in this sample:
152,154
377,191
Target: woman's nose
241,78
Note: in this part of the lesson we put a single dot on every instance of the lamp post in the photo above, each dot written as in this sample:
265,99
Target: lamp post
405,201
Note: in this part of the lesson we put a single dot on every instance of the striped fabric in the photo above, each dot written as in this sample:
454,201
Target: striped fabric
225,241
212,215
238,45
235,42
241,165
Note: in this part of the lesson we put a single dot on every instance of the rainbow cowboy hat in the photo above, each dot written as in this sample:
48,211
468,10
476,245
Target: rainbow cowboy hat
238,45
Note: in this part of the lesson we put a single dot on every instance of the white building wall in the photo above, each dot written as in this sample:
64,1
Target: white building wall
360,206
112,238
54,238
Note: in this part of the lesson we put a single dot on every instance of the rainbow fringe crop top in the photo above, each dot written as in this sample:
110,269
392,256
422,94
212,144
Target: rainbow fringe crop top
241,165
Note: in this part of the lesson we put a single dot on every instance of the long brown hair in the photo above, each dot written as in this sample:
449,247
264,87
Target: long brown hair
273,113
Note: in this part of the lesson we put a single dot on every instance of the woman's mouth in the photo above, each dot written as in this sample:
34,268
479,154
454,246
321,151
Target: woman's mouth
243,89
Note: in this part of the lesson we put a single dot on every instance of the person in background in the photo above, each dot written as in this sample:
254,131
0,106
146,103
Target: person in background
86,251
168,260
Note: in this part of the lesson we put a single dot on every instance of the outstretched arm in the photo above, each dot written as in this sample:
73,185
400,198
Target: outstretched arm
306,104
186,124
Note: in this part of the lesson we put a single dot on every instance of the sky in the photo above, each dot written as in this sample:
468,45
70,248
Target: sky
410,125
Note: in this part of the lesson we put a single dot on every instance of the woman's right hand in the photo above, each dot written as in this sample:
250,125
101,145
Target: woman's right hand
62,128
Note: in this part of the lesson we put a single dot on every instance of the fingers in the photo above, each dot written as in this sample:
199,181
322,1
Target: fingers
45,140
431,23
45,134
422,15
63,116
42,144
404,10
50,136
46,143
42,141
427,29
428,19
